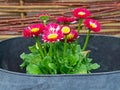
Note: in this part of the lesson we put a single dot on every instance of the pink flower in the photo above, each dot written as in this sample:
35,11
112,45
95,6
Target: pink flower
72,36
52,33
81,13
63,19
27,33
71,19
33,30
92,24
65,30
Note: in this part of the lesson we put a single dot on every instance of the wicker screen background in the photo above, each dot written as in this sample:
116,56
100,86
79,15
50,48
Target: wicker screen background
15,15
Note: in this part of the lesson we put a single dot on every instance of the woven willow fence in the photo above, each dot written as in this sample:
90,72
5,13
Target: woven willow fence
15,15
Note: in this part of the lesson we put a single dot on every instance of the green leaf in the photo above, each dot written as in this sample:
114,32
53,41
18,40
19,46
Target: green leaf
23,56
26,57
44,64
73,59
23,65
81,70
44,70
89,60
93,66
78,49
33,49
85,54
63,69
47,60
53,68
33,69
31,58
68,51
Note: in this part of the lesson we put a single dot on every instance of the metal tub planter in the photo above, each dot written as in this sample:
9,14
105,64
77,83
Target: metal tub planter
105,50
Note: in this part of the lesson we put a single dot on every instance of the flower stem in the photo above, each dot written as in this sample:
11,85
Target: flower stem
39,46
45,45
79,25
79,28
44,22
65,45
54,50
86,40
50,50
45,50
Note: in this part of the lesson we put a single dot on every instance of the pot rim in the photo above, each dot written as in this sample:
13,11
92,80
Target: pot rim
61,75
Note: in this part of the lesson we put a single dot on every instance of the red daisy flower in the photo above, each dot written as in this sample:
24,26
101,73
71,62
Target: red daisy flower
92,24
63,19
71,19
33,30
53,33
65,30
27,33
81,13
72,36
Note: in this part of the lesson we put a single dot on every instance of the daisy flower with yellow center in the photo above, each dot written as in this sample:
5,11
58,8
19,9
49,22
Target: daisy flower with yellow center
72,36
65,30
81,13
52,33
92,24
33,30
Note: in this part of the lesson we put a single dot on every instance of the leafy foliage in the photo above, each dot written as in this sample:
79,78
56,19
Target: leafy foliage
75,60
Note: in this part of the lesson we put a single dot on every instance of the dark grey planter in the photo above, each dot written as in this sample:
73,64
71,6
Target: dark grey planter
105,50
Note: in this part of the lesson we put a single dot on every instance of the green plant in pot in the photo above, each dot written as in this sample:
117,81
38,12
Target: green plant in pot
60,52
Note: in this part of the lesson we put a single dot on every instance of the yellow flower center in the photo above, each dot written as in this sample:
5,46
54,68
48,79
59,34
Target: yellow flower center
65,30
93,25
81,13
35,30
52,36
70,36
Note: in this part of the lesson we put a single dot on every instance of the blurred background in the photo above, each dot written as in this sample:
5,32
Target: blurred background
15,15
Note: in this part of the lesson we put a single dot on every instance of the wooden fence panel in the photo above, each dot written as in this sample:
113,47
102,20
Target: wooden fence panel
15,15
